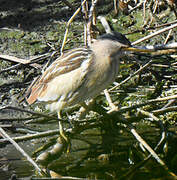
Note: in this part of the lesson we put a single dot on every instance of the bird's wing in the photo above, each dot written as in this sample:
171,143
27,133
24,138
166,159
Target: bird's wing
68,62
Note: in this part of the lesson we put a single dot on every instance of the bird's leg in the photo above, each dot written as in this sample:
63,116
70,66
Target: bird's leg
61,128
62,143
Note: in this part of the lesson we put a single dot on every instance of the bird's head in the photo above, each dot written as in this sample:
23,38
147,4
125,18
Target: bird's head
116,37
121,43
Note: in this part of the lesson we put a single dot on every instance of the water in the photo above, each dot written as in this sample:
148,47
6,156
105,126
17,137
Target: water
95,154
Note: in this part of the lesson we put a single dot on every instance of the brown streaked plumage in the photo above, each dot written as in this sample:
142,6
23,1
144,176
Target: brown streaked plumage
80,74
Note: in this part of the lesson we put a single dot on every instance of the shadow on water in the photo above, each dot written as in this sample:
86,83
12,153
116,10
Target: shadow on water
12,162
102,151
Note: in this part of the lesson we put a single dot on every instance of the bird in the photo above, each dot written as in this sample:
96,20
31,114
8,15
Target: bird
81,73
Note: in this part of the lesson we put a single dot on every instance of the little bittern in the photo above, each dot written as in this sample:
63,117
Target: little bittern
81,73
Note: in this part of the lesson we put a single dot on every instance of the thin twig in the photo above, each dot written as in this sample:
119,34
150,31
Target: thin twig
137,6
68,4
14,59
144,10
124,109
168,36
144,161
28,111
139,138
146,113
105,24
155,34
132,75
90,18
67,26
108,98
151,115
164,110
165,24
32,136
21,151
17,119
23,61
159,47
116,6
85,11
143,142
30,61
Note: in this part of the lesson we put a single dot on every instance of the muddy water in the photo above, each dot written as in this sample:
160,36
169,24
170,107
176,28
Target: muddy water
92,155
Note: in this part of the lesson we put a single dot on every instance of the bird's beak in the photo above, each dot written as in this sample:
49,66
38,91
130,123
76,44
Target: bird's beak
137,49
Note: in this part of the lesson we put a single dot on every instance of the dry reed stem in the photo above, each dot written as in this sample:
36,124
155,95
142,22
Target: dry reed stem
155,34
67,26
29,62
5,135
134,74
90,18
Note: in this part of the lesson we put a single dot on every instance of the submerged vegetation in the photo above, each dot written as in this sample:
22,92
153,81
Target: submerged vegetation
136,140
